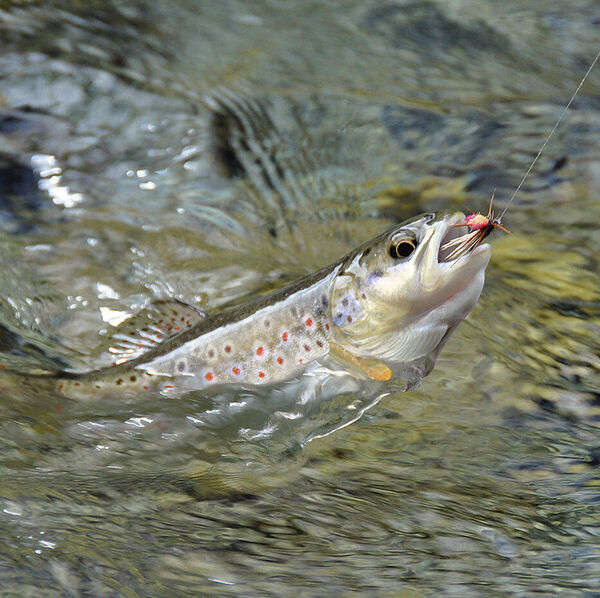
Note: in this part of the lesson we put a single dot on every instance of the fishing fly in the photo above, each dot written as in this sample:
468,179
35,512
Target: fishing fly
481,226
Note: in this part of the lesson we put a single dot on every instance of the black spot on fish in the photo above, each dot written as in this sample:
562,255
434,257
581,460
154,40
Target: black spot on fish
119,381
132,378
181,364
349,318
374,276
345,301
294,311
267,323
211,354
324,301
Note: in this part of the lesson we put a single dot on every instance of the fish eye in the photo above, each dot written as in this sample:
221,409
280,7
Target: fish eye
402,248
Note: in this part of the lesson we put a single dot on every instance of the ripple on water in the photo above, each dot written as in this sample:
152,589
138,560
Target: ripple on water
119,185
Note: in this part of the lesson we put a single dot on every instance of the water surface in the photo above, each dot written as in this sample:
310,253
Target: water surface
125,177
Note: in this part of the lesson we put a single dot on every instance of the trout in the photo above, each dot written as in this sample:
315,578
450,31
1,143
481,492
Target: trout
382,312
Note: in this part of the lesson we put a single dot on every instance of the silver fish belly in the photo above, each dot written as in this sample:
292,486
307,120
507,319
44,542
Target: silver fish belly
272,344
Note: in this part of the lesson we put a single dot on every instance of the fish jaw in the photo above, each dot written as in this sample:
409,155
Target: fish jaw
450,286
405,310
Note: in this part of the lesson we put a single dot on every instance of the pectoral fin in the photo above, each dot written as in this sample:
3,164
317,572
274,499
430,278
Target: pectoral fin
372,367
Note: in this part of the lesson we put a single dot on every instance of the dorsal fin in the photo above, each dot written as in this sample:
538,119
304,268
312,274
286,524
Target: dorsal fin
150,327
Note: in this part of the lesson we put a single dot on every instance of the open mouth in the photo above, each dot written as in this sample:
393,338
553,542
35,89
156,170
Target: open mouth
450,241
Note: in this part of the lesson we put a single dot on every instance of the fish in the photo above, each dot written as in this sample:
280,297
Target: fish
381,313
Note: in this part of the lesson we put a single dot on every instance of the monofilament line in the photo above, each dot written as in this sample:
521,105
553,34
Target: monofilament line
551,133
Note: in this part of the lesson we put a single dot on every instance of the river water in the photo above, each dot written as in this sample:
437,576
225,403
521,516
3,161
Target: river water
129,173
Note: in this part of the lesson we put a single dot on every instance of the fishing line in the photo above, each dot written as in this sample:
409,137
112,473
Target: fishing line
551,133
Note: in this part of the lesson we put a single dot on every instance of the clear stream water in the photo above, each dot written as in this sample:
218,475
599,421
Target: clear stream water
126,176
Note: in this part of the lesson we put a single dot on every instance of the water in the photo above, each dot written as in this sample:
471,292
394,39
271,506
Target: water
481,483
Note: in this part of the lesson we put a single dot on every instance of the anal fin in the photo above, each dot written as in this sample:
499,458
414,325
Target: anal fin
150,327
372,367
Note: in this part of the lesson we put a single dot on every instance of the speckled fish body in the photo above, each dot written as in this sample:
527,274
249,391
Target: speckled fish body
266,341
373,314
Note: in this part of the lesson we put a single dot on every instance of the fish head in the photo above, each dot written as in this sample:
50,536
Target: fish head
398,298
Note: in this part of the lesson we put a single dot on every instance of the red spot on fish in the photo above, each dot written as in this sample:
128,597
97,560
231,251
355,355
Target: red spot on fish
261,374
227,349
209,376
280,360
145,387
300,360
176,328
2,367
319,343
309,322
167,387
326,326
61,386
307,347
57,408
182,319
236,371
260,351
284,336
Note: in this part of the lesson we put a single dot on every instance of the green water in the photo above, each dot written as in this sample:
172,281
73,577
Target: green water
484,481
